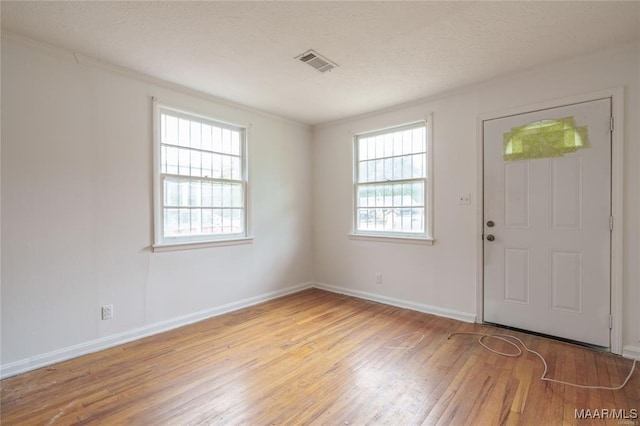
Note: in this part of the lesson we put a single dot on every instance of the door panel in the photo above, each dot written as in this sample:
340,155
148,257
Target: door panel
566,193
547,188
516,275
516,195
566,281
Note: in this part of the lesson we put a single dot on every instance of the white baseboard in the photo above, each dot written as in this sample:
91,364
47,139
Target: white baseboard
38,361
631,352
419,307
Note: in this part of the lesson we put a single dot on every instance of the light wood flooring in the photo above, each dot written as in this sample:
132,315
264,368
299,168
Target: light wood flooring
321,358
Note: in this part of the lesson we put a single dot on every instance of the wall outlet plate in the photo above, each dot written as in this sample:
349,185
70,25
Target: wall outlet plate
107,312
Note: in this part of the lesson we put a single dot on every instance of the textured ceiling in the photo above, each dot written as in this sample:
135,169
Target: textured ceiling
388,52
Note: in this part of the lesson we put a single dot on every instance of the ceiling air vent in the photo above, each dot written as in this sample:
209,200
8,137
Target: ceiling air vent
317,61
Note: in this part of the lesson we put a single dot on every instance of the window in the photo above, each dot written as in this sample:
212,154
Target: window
545,139
392,185
200,182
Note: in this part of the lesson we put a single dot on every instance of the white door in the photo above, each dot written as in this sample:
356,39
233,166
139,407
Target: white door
547,209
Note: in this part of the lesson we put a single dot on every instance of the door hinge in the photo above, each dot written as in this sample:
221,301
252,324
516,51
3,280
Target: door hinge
610,223
611,123
610,322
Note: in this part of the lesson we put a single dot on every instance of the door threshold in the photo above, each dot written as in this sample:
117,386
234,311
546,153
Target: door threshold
548,336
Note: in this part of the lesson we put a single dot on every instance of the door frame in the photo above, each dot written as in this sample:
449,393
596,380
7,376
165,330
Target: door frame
617,175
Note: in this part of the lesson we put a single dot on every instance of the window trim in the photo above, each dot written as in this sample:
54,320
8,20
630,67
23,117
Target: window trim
162,244
425,238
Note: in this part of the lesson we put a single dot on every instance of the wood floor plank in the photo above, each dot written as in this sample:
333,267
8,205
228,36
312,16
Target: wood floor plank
320,358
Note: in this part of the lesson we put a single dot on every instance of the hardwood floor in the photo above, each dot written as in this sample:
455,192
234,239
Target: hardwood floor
321,358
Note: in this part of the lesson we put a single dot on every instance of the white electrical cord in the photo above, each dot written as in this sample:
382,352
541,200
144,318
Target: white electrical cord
405,347
505,337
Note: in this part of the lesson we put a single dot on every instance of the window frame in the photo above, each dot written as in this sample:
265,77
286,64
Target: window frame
163,243
425,237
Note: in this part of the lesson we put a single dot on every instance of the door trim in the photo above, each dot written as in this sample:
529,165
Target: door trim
617,175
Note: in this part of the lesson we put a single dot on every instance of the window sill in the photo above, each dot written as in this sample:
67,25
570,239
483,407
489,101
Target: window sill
393,239
190,245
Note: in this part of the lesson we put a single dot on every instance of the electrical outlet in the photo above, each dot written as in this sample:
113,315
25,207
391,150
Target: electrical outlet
107,312
378,278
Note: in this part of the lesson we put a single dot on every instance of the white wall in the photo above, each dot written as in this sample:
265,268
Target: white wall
77,211
444,277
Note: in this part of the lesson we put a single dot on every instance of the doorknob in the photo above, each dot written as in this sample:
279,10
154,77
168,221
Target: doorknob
490,237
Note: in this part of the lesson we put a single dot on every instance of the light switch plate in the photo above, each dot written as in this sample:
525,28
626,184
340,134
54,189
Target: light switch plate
464,199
